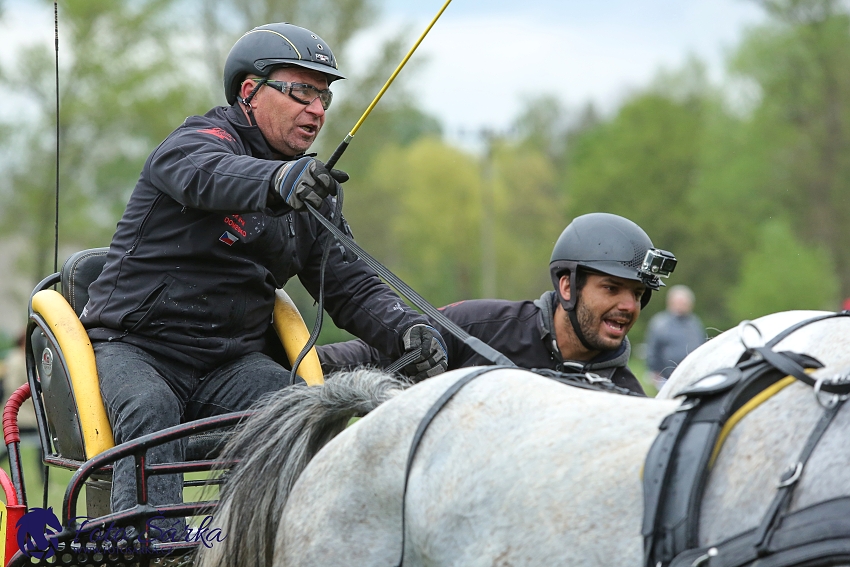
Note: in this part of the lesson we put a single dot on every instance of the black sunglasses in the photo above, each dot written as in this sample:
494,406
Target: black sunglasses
303,93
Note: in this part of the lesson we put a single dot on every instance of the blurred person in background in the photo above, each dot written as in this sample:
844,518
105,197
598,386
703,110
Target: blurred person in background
672,334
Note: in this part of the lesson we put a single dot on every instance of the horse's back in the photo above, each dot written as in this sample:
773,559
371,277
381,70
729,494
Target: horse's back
508,471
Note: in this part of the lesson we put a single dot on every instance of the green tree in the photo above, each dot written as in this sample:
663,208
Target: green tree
528,219
432,193
801,61
643,164
781,273
121,91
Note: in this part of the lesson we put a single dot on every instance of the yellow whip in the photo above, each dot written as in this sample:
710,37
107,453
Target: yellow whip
344,145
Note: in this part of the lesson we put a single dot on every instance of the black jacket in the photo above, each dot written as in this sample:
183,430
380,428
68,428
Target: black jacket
205,241
521,330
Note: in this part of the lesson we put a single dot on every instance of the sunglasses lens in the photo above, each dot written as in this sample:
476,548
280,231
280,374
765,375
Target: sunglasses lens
305,94
326,97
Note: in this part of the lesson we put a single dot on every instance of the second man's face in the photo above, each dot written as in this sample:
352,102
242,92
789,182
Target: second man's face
608,306
289,126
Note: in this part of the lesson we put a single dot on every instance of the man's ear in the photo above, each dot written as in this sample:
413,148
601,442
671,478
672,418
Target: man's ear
564,287
246,87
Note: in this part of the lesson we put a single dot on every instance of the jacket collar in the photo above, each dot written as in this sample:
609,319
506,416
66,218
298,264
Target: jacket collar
250,134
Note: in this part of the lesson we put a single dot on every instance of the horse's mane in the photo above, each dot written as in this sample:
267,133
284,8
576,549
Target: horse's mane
274,447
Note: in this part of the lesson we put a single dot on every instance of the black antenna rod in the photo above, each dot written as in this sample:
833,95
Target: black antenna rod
56,221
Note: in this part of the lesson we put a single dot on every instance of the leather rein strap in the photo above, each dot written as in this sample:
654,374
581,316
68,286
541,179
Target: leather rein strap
417,300
420,432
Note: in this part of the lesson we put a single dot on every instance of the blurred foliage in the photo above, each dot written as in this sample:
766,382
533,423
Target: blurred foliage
751,196
781,273
122,90
802,64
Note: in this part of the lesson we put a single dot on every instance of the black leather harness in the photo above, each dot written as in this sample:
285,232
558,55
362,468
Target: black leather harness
679,461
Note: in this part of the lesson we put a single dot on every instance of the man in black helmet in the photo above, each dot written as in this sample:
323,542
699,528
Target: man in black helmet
604,269
180,316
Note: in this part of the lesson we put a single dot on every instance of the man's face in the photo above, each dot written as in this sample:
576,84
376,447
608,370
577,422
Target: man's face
288,126
679,303
607,308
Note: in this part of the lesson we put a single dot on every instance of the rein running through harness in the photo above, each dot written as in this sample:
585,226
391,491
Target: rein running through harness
585,381
681,457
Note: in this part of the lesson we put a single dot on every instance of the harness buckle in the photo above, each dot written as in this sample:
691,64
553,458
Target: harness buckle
793,476
595,378
712,552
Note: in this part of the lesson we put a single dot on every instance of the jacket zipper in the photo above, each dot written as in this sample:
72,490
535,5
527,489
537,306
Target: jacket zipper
143,223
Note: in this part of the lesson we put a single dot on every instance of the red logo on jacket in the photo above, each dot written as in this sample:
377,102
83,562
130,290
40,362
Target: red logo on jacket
218,133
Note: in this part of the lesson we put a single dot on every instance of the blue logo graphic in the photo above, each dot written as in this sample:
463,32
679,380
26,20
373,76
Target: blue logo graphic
34,528
38,527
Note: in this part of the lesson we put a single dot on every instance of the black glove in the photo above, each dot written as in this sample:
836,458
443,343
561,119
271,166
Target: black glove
433,358
307,180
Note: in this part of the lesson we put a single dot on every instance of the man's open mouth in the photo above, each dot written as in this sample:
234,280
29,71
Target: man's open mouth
616,326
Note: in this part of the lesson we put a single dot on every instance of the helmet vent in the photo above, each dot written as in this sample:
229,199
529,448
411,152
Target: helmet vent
637,259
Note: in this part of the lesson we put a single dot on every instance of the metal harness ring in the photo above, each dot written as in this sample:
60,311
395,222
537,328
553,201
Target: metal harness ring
833,398
742,327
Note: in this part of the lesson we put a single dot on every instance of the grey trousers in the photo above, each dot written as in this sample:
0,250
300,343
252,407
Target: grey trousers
144,393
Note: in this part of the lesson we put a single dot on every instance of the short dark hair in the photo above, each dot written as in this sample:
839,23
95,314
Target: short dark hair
581,279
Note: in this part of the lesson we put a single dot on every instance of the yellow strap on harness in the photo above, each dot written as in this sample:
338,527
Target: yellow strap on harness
756,401
79,357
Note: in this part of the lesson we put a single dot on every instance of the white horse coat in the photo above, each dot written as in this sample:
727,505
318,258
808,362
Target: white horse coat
518,470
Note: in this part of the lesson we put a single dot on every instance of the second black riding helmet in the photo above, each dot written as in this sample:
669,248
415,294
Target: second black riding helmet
274,45
607,244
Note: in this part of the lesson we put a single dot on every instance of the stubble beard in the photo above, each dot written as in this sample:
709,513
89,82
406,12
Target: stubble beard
589,325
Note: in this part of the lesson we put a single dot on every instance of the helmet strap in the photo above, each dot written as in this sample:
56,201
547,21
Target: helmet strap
571,304
577,328
246,101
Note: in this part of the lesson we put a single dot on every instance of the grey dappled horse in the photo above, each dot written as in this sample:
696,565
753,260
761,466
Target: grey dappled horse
826,341
516,470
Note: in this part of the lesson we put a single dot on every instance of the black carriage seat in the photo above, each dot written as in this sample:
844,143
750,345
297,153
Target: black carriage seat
76,421
78,272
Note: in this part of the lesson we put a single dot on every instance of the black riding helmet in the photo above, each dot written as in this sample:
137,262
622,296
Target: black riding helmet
607,244
267,47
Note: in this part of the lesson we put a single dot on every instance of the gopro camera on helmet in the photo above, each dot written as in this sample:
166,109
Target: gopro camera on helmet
658,263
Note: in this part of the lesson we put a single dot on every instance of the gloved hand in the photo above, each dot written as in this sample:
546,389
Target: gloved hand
307,180
433,358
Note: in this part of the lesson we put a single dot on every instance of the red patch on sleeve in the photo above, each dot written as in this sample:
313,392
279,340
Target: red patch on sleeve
451,305
218,133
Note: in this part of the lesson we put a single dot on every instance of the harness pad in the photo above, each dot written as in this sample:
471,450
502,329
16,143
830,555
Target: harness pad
680,459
